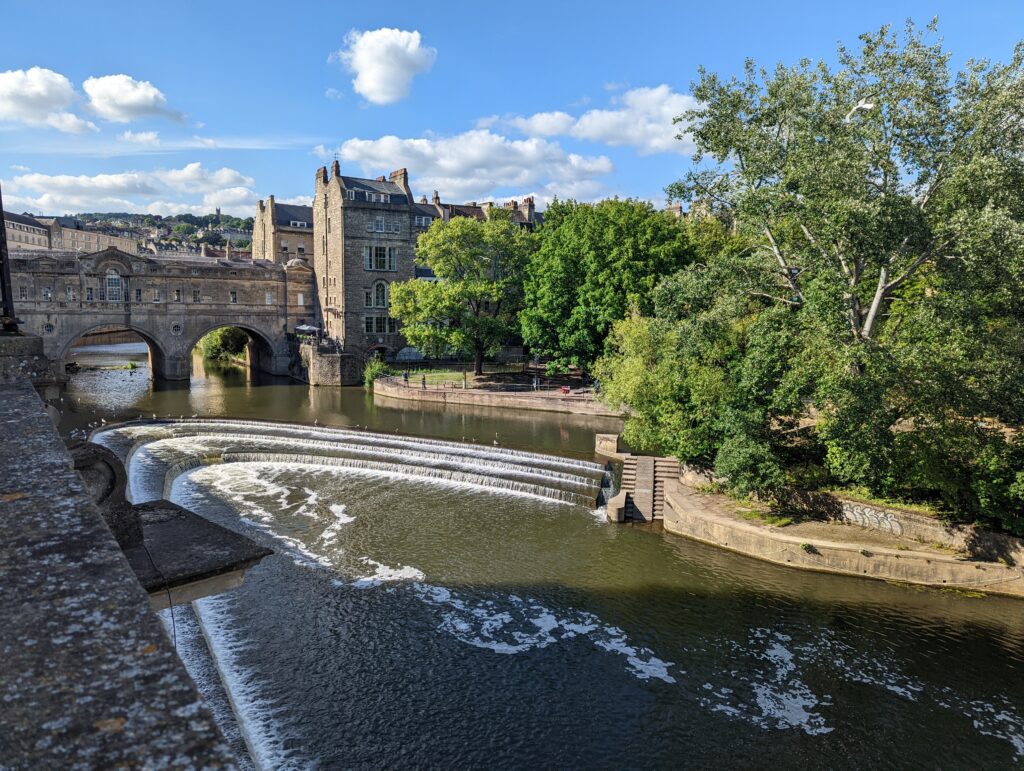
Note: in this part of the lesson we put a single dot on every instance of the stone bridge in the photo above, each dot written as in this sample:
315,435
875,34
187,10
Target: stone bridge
169,302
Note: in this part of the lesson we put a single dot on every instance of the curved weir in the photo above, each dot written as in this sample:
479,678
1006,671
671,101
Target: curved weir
166,449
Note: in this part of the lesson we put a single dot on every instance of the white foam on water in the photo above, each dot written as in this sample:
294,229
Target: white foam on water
511,625
330,533
265,735
384,574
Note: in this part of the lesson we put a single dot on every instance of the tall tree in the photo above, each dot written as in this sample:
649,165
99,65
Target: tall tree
594,263
873,327
472,307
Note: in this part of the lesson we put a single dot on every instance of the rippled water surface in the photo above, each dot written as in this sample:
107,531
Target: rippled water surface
437,604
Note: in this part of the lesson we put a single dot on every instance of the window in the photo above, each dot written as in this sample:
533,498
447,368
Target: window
323,281
392,326
302,249
47,293
196,297
380,295
270,298
396,227
88,294
378,224
177,295
298,224
423,222
300,300
392,258
380,258
195,271
113,285
23,293
380,324
351,195
69,292
138,295
368,325
234,297
368,296
156,295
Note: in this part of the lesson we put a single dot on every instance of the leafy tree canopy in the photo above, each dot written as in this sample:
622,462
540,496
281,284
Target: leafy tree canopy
865,327
473,305
595,261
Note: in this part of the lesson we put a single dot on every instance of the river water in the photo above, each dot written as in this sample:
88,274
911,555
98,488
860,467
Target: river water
439,602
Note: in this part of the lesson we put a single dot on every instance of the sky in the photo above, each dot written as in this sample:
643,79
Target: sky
183,107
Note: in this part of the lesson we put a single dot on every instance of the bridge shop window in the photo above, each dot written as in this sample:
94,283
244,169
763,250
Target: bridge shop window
69,293
234,297
177,295
47,293
156,295
23,293
195,296
138,295
269,298
113,285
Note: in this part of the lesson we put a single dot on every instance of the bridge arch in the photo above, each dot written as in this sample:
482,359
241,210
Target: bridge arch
263,352
159,357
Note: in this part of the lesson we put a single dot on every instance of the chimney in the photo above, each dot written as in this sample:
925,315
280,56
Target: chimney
401,178
436,199
423,199
529,207
335,168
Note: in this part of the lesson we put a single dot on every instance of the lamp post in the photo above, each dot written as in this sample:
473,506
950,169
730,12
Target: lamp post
8,319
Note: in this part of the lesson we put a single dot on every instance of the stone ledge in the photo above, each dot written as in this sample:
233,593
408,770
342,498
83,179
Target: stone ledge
90,679
517,401
704,518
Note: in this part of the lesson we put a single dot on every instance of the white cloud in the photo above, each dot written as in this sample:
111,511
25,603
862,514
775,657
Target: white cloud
204,141
144,138
136,191
384,62
642,118
40,97
333,93
545,124
122,99
476,164
19,167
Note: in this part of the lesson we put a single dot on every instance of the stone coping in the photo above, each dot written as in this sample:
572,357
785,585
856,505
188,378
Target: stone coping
523,400
832,548
90,678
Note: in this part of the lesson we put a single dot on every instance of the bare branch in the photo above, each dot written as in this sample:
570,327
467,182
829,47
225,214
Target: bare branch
786,268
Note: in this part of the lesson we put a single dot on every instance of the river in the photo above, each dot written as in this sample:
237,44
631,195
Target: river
441,596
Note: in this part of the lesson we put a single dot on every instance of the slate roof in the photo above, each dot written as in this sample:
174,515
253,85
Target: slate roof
24,219
375,186
425,210
285,213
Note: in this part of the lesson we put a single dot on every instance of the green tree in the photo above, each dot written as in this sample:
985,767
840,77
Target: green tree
871,328
472,307
595,262
183,230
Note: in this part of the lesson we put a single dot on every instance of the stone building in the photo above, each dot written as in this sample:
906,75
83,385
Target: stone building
70,234
282,232
25,232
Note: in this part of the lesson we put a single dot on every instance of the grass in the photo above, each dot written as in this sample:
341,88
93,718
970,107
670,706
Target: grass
768,517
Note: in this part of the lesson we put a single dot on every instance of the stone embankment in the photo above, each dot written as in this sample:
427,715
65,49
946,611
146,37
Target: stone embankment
834,535
541,401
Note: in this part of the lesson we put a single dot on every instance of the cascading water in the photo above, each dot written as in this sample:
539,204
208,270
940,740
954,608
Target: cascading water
443,603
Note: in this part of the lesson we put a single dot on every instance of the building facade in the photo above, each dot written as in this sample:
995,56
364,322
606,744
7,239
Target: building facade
70,234
25,232
282,232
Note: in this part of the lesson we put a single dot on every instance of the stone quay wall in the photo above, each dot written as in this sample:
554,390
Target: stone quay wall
507,400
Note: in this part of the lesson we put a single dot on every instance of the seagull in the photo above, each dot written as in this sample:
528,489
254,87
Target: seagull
863,104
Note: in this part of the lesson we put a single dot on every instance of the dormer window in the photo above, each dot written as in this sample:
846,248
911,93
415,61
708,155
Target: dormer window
351,195
298,224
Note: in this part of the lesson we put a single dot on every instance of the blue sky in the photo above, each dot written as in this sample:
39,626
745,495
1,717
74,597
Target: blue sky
184,106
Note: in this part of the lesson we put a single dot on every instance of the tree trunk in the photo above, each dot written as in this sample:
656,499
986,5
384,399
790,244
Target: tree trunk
478,361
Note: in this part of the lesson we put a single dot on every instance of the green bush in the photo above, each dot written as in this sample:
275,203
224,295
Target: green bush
224,343
374,369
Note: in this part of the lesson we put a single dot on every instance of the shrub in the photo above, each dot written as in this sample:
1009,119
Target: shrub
374,369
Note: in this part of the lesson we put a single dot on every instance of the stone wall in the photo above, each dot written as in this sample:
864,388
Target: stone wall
328,369
509,400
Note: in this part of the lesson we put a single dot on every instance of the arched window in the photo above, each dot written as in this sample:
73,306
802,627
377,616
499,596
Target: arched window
380,294
113,286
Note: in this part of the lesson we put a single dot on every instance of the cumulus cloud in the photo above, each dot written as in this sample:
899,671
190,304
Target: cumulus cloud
384,62
144,138
333,93
641,118
475,164
136,191
122,99
40,97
